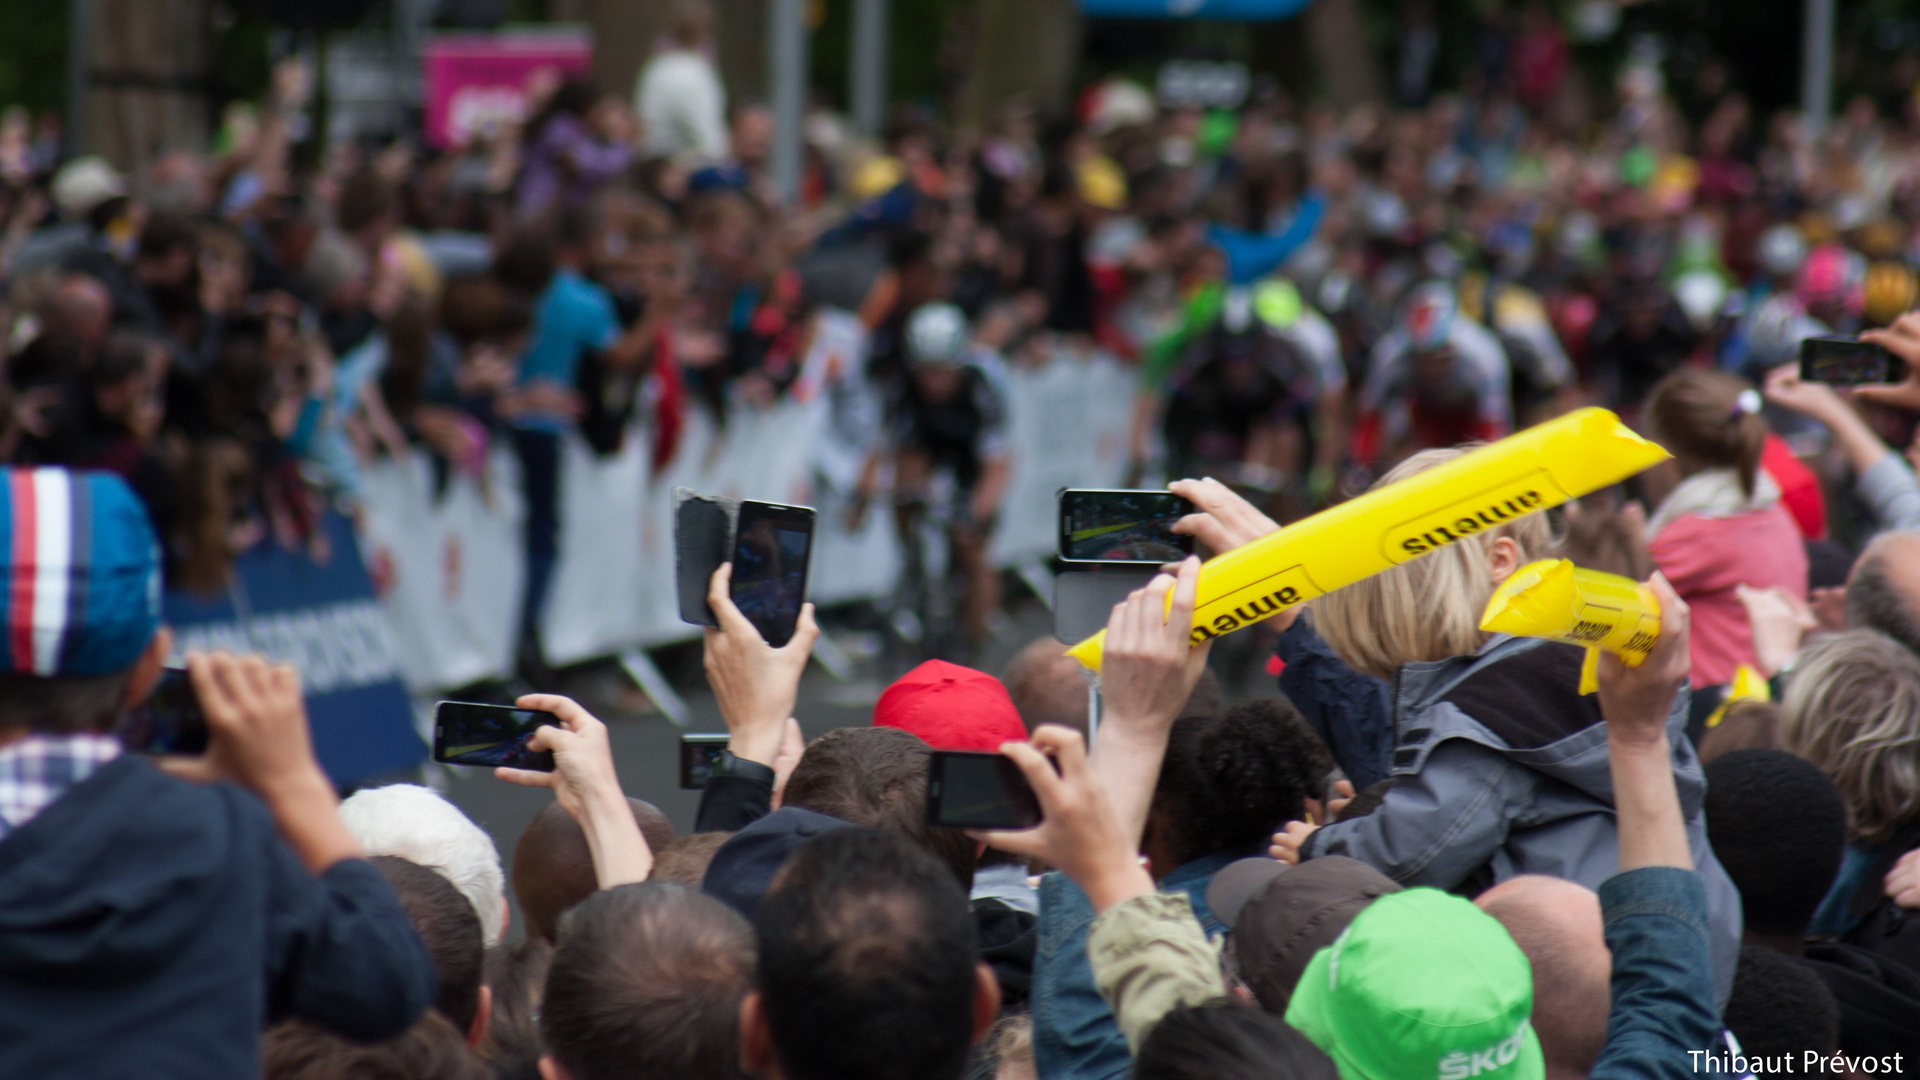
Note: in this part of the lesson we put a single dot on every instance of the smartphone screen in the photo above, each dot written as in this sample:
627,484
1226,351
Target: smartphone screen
169,721
468,734
1122,526
698,753
771,546
970,790
1845,362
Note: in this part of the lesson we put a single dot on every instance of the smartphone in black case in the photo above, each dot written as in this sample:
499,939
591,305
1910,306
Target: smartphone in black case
466,733
170,721
1846,362
772,547
1122,527
972,790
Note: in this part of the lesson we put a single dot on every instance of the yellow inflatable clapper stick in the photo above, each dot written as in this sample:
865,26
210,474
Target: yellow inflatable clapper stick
1748,685
1554,599
1543,466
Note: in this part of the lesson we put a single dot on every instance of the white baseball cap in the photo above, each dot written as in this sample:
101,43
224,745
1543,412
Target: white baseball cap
84,183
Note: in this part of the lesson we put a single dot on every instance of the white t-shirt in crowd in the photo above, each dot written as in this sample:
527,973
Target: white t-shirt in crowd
682,106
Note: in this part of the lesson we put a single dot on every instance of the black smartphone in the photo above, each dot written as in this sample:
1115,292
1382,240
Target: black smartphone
697,756
1846,362
465,733
700,530
1122,526
772,544
169,721
971,790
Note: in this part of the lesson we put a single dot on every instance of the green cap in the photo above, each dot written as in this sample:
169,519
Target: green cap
1421,986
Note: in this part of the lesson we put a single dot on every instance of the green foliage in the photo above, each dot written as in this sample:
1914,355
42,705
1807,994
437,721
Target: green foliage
240,58
914,71
33,53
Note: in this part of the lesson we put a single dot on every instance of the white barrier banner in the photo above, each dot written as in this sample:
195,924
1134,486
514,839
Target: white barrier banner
457,564
1066,427
454,567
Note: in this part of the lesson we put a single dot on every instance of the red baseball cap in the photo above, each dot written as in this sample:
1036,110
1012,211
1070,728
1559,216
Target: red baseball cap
950,708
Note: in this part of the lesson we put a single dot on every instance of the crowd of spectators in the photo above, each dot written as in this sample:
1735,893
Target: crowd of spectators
1429,856
1307,294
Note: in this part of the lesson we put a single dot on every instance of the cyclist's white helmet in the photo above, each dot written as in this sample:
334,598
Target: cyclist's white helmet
936,334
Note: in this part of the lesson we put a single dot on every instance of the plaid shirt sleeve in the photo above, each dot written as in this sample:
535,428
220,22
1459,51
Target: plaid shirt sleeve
37,770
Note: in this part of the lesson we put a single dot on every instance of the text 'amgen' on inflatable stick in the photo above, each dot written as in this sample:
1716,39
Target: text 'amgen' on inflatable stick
1554,599
1543,466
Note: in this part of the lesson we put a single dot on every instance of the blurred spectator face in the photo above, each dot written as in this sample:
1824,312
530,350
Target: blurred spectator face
170,268
726,231
752,135
660,270
133,400
613,121
177,183
388,289
80,308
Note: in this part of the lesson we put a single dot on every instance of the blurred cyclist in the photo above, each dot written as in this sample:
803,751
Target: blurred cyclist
1438,379
1249,386
947,440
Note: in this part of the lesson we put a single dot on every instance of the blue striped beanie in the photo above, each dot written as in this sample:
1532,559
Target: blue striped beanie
82,586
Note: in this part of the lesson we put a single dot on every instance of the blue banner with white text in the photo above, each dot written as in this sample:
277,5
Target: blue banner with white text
319,613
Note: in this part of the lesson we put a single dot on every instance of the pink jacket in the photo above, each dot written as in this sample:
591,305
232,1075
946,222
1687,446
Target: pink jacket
1707,557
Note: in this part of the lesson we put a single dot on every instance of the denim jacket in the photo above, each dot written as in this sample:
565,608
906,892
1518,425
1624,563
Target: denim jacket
1351,712
1656,926
1501,769
1074,1033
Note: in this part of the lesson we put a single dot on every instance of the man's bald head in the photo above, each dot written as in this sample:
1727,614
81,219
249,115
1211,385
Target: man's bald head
1050,687
553,867
1046,686
1883,593
1557,925
79,308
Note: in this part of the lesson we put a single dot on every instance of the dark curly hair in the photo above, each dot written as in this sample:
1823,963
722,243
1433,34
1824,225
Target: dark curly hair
1230,780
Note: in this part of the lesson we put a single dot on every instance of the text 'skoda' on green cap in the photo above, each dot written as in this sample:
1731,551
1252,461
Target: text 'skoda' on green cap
1422,986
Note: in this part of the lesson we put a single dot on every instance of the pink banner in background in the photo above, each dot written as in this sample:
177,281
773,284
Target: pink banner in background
476,82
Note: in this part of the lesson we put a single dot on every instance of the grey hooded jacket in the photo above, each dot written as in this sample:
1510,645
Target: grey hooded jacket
1500,769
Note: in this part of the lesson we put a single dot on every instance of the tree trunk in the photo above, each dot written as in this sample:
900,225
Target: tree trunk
741,28
1021,49
1280,49
1348,72
148,86
624,32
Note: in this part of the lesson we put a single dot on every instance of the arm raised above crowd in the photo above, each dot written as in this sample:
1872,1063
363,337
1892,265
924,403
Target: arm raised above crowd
1223,521
340,951
1080,832
587,787
257,722
756,684
1149,670
1655,908
1882,479
1147,951
1902,339
1636,702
